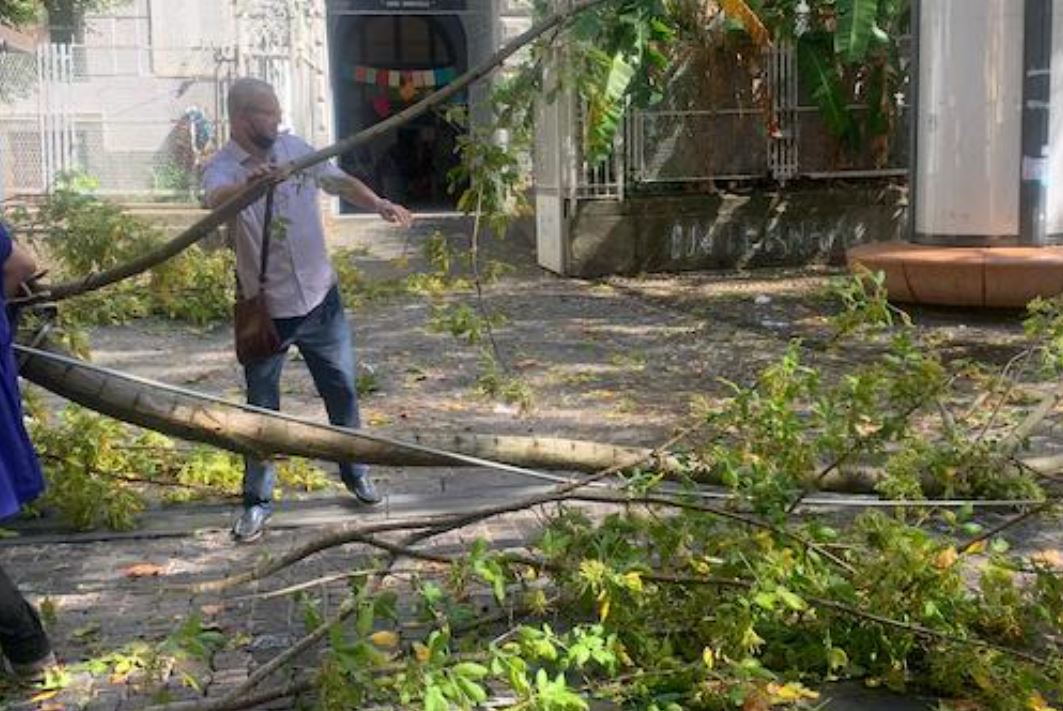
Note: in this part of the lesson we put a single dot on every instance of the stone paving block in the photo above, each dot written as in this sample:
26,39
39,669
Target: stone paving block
226,680
175,690
104,702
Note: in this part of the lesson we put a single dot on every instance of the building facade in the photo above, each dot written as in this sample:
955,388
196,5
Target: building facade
137,100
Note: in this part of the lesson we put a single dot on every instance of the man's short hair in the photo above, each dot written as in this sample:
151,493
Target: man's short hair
245,89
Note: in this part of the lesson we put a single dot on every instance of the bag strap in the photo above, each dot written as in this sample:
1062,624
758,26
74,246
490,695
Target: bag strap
266,220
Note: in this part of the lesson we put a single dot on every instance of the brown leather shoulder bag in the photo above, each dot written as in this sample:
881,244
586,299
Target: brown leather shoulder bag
256,334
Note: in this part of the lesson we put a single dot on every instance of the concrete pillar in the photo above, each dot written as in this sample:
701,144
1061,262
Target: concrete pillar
969,121
988,140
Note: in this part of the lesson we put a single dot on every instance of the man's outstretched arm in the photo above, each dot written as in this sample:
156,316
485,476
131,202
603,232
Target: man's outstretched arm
355,191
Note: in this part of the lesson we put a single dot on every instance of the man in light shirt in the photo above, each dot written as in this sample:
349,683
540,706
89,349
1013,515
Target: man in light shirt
300,287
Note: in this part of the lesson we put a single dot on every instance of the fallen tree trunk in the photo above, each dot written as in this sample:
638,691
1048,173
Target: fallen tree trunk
263,434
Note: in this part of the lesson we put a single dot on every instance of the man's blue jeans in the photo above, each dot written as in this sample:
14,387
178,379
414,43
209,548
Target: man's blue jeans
323,337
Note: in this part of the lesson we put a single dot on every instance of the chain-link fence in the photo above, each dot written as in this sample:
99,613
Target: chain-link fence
21,157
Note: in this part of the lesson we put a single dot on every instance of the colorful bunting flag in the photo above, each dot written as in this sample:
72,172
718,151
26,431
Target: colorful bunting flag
395,78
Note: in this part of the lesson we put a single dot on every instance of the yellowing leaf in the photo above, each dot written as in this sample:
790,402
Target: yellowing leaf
866,428
981,679
44,696
385,638
750,638
709,657
977,547
633,581
603,610
791,692
946,558
421,653
740,11
1036,702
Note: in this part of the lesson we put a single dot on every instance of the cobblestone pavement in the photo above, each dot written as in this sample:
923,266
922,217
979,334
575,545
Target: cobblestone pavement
597,357
101,592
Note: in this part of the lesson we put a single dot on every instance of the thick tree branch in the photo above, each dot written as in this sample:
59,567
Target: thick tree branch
257,432
247,701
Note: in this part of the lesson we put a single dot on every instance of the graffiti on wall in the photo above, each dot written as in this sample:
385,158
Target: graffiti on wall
709,239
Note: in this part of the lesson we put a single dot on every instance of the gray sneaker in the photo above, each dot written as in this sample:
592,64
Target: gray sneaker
363,489
251,523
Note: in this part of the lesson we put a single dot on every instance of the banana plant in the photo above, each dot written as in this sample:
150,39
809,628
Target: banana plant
848,53
620,55
856,29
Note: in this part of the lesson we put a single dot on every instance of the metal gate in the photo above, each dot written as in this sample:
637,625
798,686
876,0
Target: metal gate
38,141
55,64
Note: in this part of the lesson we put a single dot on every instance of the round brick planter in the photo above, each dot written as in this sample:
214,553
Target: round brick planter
1005,277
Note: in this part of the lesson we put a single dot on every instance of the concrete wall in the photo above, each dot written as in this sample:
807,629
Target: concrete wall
788,227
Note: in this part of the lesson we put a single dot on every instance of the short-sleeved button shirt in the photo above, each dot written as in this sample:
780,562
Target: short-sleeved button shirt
299,273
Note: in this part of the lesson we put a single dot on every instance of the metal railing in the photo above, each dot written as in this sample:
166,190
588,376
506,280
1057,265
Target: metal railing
732,142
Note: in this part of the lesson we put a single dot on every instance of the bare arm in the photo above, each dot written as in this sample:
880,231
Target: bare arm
354,190
18,268
219,195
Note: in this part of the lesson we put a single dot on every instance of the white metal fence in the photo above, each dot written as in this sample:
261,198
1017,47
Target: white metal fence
109,112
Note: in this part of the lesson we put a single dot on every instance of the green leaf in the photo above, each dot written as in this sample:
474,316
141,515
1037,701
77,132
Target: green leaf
791,600
765,600
471,670
816,63
471,689
837,659
856,28
606,107
434,699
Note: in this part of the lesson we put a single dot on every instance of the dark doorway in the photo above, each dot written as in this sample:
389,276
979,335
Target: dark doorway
380,65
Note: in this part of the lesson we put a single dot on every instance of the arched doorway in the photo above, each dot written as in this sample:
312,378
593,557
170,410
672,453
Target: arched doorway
380,65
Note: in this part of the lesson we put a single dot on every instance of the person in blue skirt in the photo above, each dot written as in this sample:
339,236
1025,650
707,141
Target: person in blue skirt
22,638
